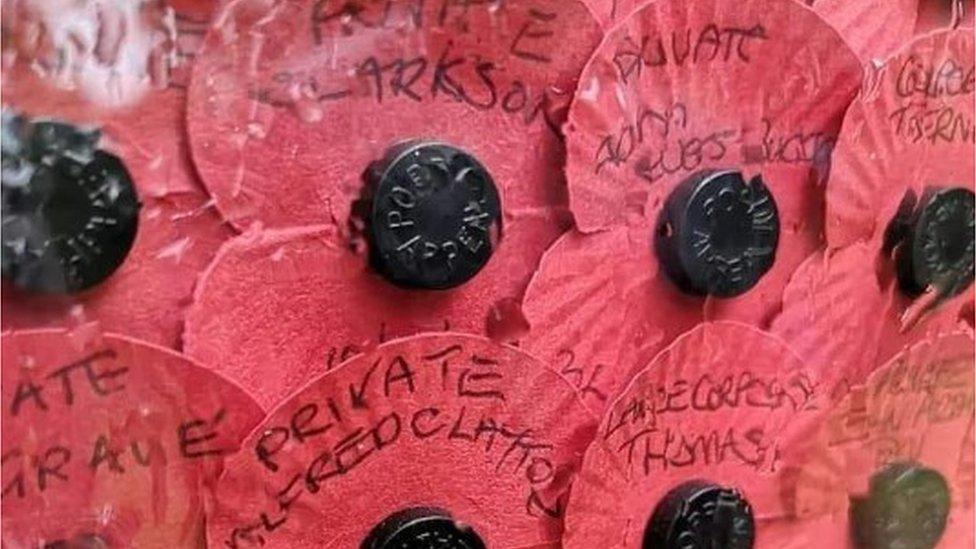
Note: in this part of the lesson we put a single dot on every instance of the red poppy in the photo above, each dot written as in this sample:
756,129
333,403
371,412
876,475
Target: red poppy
478,430
334,91
891,275
904,437
676,91
291,103
721,405
110,440
140,121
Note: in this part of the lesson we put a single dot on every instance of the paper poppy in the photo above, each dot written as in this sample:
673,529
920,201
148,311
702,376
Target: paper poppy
893,460
444,436
899,260
693,448
132,126
108,441
279,307
914,110
291,103
369,107
698,144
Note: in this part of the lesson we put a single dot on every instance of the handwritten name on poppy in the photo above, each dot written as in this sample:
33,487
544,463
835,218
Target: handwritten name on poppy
893,417
450,395
944,78
450,74
348,17
337,354
71,390
663,146
585,377
935,101
661,143
934,123
681,47
656,428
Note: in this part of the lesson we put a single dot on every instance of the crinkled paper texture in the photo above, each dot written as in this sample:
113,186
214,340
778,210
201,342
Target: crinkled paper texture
663,98
904,132
599,308
843,313
874,29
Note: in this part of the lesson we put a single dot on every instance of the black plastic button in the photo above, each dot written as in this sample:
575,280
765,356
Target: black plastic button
937,247
422,528
436,216
70,211
717,234
907,507
701,515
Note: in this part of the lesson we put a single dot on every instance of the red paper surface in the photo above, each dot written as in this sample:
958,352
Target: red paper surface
279,307
770,102
759,87
905,131
943,14
803,533
451,421
120,67
843,313
723,403
600,305
610,12
599,309
917,407
140,116
843,309
291,102
834,312
874,29
113,437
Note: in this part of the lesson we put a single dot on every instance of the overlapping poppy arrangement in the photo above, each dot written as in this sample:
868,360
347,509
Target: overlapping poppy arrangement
488,274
